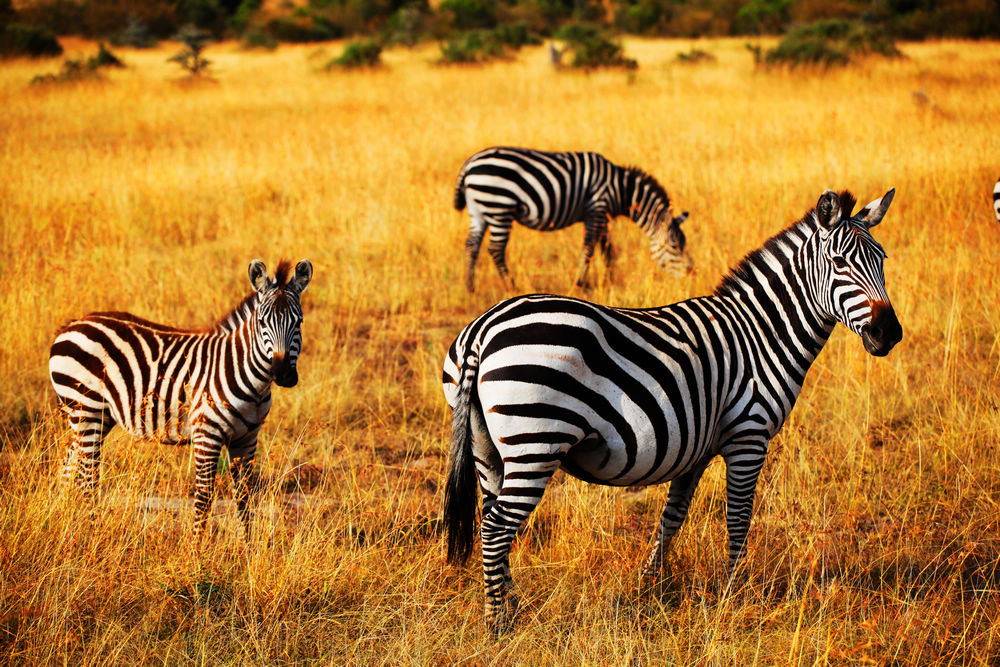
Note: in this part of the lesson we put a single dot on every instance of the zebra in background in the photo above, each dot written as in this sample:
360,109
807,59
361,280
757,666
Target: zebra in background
628,397
996,199
212,388
548,191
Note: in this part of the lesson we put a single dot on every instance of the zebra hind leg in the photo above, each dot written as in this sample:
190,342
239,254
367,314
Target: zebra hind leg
678,501
499,235
246,483
83,456
472,243
520,493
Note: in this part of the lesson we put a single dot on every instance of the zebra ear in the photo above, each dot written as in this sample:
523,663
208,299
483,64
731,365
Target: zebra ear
828,210
681,218
258,275
873,213
303,274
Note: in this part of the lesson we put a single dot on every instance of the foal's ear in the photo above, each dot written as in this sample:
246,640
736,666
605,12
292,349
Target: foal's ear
828,210
873,213
303,274
681,218
258,275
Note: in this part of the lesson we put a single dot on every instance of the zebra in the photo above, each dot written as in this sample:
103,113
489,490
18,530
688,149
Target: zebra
548,191
211,388
627,397
996,199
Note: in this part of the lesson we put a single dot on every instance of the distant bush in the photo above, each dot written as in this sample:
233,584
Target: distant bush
483,45
366,53
472,47
303,29
18,40
470,14
515,35
136,34
408,25
257,38
695,56
191,58
80,70
592,48
830,42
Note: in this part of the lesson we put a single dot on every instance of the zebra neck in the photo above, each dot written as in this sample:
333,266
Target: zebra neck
774,289
251,366
640,198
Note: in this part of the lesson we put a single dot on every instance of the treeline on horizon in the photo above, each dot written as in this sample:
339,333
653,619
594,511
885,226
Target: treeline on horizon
143,22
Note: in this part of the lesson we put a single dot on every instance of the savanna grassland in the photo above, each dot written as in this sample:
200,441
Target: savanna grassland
876,536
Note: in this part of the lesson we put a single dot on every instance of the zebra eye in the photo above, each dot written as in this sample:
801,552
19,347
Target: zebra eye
840,262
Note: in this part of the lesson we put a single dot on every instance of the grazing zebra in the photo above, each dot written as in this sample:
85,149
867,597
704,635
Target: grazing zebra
996,199
547,191
627,397
212,388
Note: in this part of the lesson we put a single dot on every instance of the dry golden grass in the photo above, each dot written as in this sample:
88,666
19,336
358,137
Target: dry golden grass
876,532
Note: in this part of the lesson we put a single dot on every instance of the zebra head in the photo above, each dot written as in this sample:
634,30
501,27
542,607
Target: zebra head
849,270
668,245
279,316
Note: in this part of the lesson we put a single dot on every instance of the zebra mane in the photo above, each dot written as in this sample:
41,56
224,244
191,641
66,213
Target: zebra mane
232,320
794,234
282,273
644,177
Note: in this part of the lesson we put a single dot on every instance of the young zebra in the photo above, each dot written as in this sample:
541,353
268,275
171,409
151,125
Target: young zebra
212,388
547,191
627,397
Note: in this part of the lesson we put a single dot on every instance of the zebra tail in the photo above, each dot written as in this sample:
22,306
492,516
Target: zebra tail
460,192
460,492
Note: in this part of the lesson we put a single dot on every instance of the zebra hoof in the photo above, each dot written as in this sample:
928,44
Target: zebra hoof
500,614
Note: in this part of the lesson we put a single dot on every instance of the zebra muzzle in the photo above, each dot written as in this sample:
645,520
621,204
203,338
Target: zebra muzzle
882,333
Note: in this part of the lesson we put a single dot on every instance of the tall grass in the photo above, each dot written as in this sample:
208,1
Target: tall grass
876,531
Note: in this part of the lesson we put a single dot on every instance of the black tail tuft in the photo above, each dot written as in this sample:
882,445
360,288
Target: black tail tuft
460,492
460,194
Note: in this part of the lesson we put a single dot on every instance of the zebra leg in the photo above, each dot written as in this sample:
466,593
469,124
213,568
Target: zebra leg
489,465
83,456
521,492
477,229
499,235
743,465
596,227
678,500
246,483
206,459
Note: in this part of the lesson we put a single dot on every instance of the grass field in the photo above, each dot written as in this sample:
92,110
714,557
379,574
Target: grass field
877,533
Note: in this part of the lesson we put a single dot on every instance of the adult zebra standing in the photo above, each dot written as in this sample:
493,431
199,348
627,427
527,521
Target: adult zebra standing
548,191
629,397
212,388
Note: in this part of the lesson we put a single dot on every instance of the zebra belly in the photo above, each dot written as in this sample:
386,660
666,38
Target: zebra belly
557,407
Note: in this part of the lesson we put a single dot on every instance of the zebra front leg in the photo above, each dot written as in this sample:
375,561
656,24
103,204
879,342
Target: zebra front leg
678,501
596,228
246,483
743,465
206,460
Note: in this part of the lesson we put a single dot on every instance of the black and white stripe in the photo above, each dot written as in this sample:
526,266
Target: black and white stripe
547,191
628,397
212,388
